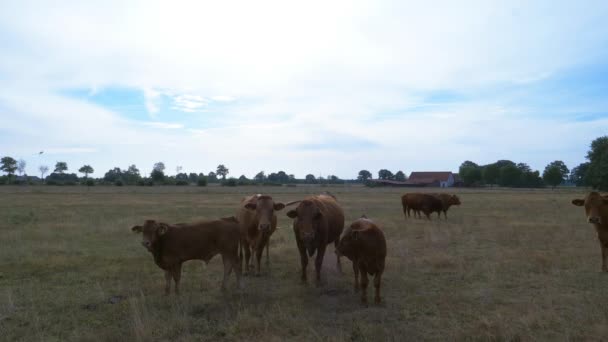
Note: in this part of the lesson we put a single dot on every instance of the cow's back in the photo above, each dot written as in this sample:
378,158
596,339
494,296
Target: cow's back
201,240
333,213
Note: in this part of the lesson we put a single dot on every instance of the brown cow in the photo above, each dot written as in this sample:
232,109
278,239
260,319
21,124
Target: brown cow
171,245
318,221
258,221
364,244
447,201
420,202
596,209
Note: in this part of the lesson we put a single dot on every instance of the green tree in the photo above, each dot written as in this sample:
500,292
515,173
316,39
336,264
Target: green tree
21,167
222,171
310,179
212,177
8,165
113,175
510,175
597,173
160,166
491,173
563,169
131,176
87,170
470,173
43,170
260,177
385,174
400,176
578,176
61,167
553,175
364,175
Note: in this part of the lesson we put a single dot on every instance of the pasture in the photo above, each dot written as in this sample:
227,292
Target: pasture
506,265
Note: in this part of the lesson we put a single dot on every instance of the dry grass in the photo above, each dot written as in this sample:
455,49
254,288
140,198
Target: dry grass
507,265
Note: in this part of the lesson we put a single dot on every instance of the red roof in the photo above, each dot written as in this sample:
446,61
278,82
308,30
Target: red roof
429,177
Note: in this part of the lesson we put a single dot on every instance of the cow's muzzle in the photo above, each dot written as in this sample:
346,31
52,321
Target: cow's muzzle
265,227
594,220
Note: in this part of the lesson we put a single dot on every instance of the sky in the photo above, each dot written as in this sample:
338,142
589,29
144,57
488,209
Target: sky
321,87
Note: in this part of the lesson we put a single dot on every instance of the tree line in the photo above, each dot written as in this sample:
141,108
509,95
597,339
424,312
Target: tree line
505,173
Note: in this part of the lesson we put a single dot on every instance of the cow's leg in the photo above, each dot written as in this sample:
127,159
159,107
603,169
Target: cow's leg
338,260
167,282
303,259
228,262
268,252
237,272
177,275
241,255
364,282
377,280
258,258
445,214
604,246
356,271
319,263
247,257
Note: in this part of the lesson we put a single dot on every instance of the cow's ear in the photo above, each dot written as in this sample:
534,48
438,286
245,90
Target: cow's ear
292,213
578,202
251,206
162,229
279,206
137,229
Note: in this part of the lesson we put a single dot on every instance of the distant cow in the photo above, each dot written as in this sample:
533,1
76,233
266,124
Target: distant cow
364,244
318,221
258,221
596,209
447,201
419,202
171,245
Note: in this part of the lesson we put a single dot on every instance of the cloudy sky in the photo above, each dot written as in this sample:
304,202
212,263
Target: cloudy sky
322,87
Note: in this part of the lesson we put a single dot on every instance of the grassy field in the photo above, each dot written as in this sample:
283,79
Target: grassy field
507,265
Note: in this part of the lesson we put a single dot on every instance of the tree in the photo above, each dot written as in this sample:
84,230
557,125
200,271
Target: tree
160,166
385,174
597,174
21,166
400,176
562,168
490,173
131,175
212,177
552,175
113,175
157,176
61,167
310,179
193,178
578,176
43,170
222,171
364,175
470,173
509,175
260,177
86,169
9,165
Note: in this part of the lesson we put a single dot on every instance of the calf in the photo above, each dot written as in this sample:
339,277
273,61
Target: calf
447,201
171,245
257,221
318,221
596,209
364,244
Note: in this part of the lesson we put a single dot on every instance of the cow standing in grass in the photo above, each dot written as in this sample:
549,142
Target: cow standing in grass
419,202
171,245
364,244
447,201
318,221
596,209
258,221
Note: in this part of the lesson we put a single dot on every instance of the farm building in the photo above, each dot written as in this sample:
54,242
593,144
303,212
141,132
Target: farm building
443,179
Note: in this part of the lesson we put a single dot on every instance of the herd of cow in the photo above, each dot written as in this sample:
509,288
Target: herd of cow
318,222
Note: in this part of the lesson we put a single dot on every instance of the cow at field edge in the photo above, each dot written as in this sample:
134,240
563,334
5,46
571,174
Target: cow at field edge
364,244
318,221
171,245
596,209
258,222
447,201
419,202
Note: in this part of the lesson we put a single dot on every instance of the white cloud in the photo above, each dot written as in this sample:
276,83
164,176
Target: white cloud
189,103
164,125
152,99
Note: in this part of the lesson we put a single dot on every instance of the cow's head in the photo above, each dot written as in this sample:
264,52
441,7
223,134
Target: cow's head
454,200
264,208
151,231
307,217
596,207
351,237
